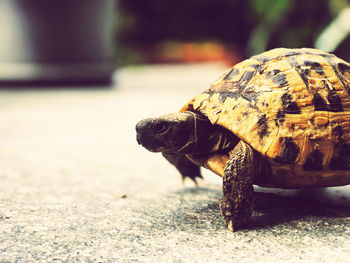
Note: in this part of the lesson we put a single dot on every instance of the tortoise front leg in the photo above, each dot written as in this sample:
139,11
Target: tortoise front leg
184,166
237,204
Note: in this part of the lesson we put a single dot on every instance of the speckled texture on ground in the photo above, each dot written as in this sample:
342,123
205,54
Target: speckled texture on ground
75,186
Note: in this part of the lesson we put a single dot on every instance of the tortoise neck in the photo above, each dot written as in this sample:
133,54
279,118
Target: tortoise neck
208,138
192,141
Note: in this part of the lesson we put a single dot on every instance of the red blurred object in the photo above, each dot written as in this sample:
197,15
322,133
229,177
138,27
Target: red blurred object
188,52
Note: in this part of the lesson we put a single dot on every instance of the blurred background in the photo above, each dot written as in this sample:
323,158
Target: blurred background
84,41
229,30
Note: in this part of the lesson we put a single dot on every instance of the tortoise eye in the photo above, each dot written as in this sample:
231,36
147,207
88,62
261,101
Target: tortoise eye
160,127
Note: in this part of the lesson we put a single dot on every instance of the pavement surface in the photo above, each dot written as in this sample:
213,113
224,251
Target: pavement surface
76,187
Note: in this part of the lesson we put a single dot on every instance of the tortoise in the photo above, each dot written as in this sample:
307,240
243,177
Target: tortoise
278,119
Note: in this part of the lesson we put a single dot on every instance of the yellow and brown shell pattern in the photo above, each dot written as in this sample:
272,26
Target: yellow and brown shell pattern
292,105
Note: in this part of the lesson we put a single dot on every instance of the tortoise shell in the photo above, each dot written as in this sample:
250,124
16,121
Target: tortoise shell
292,106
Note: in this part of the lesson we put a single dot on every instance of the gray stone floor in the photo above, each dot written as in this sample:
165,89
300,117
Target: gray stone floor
75,186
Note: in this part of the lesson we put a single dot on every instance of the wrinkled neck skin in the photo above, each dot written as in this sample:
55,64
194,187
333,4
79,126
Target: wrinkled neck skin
208,138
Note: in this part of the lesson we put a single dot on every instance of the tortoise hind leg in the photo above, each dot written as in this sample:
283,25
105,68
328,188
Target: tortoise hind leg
184,166
237,204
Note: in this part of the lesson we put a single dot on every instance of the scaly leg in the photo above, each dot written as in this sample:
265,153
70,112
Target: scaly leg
237,204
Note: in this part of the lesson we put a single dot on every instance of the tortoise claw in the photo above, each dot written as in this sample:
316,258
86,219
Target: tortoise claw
230,226
193,178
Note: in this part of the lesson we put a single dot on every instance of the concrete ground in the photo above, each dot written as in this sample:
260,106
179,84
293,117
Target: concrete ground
76,187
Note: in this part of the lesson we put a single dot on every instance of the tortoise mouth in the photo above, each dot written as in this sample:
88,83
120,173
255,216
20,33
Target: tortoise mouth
151,144
144,137
138,139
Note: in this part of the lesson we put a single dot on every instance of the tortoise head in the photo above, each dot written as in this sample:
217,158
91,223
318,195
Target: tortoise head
169,133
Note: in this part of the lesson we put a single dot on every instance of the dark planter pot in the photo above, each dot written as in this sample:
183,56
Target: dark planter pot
64,41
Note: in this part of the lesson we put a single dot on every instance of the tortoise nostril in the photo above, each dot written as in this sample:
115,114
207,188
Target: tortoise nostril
139,130
138,127
141,125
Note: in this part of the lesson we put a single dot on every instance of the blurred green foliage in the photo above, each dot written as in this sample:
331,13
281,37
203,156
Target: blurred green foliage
249,27
269,13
